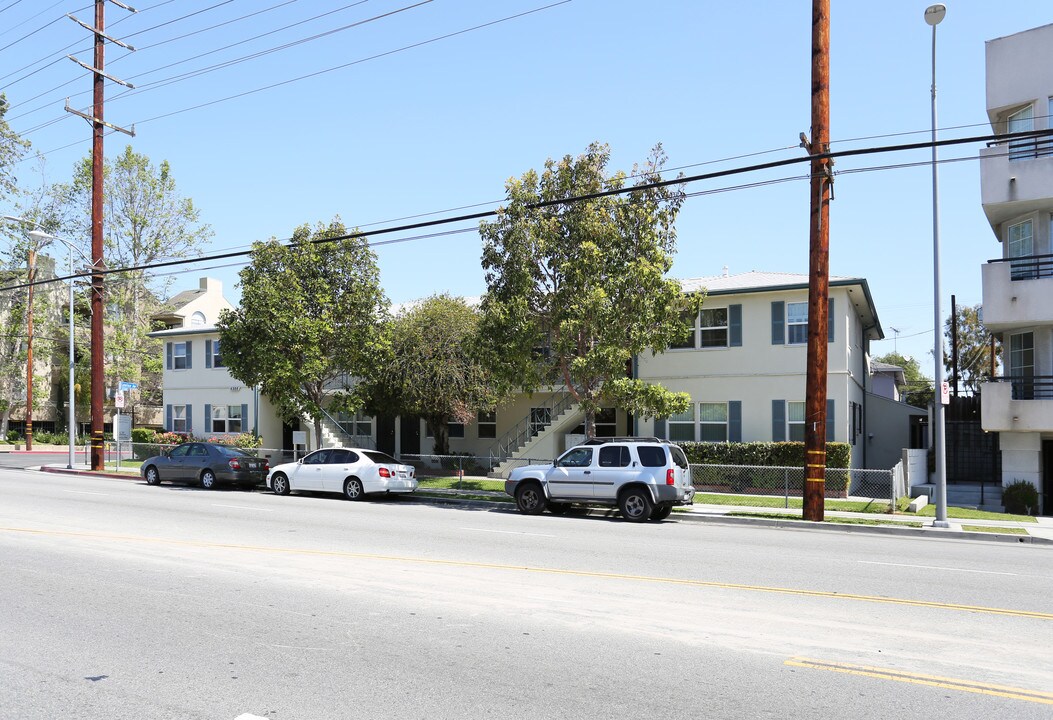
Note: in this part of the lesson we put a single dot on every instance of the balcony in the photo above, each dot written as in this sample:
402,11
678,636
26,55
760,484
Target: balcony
1017,404
1015,178
1016,292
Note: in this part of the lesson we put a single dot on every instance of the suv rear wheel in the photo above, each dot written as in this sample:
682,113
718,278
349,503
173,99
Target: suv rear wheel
530,499
636,505
661,511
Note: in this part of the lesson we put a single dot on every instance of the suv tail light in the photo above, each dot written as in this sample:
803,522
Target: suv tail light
670,478
384,472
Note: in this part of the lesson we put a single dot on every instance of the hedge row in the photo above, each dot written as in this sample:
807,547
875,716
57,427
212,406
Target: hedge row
778,454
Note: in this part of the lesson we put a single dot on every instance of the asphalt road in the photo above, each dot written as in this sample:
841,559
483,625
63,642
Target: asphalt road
127,601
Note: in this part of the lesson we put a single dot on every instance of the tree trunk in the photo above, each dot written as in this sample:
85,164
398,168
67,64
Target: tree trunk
317,431
441,434
590,424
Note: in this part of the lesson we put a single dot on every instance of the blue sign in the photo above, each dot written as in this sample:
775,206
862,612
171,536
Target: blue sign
127,385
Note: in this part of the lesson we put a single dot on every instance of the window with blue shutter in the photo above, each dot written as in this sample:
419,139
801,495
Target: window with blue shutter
734,325
209,426
189,414
208,357
168,413
168,356
831,322
735,421
778,420
778,325
189,363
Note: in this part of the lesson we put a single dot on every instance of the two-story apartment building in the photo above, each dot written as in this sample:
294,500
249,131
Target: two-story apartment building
743,366
1016,181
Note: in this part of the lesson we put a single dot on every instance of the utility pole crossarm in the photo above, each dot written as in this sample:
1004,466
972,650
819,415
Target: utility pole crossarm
89,28
91,119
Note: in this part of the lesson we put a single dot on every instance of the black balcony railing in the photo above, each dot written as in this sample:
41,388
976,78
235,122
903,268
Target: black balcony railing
1029,267
1029,387
1029,148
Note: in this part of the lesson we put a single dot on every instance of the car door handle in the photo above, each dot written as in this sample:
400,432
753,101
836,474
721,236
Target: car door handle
587,472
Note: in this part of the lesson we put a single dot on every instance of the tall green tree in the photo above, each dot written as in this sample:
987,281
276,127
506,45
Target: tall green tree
309,322
145,221
575,289
974,349
12,148
918,388
433,369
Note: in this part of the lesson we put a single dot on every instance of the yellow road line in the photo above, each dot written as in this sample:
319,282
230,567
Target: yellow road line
541,570
945,683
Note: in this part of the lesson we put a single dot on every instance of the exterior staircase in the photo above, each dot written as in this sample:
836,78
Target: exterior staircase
981,496
565,414
334,436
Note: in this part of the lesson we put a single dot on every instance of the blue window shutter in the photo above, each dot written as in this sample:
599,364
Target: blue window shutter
189,364
735,421
778,420
208,418
830,322
778,327
830,420
735,325
168,412
208,357
168,356
189,409
659,427
244,417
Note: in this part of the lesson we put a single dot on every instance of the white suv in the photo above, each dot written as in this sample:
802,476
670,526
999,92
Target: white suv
643,477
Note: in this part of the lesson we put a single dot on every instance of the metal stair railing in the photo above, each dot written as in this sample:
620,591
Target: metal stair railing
522,431
360,441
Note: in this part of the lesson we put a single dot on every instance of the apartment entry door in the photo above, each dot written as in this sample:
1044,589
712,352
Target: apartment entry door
1047,477
409,435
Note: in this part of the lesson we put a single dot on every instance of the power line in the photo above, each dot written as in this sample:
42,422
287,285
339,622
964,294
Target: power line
680,180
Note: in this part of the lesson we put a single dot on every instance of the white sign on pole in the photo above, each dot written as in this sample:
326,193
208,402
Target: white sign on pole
118,399
945,393
122,427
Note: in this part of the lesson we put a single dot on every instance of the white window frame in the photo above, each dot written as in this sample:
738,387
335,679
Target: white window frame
197,319
692,343
179,353
486,420
217,359
179,418
1021,149
702,422
702,328
680,421
226,416
792,423
797,323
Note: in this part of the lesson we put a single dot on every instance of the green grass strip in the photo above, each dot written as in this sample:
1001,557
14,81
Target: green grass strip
998,530
837,520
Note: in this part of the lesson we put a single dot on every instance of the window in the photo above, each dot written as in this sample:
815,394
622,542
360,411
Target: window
614,456
687,341
179,451
179,418
796,323
355,424
226,418
1022,365
713,422
179,359
455,429
651,455
540,418
795,421
681,427
1021,244
486,422
217,359
713,330
578,457
606,423
321,457
197,319
1021,121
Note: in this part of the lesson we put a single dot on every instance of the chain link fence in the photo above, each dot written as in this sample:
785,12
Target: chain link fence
789,481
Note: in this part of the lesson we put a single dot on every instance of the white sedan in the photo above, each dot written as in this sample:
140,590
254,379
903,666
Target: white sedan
350,471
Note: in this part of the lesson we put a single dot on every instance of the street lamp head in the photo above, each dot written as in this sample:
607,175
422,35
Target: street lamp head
934,14
40,237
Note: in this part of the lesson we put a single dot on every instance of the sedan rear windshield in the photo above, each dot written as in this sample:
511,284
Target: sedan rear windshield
229,451
380,458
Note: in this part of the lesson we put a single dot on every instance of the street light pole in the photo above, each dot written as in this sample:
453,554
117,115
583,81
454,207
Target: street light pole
31,274
934,14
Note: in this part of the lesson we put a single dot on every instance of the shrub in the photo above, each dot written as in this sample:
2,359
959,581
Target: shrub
13,436
1020,498
143,435
778,454
242,440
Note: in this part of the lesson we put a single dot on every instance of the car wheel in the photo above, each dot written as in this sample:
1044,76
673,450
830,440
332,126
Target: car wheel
280,484
208,479
530,499
558,508
636,505
353,489
661,511
152,476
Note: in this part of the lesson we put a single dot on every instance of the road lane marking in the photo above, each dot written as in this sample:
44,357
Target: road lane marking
1032,614
85,492
938,567
243,507
1013,693
509,532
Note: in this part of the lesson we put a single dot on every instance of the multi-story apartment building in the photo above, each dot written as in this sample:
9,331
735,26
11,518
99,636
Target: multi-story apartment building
1016,180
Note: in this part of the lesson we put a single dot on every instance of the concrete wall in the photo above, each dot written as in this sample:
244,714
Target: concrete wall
1021,458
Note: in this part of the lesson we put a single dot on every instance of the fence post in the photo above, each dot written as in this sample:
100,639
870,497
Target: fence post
786,488
460,472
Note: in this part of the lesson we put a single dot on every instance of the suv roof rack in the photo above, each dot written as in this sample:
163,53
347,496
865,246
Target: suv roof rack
605,440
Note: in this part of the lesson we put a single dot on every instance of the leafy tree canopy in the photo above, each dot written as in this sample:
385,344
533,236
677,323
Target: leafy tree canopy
433,369
974,349
576,289
309,321
12,148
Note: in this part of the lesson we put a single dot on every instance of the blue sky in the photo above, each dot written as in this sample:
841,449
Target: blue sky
442,125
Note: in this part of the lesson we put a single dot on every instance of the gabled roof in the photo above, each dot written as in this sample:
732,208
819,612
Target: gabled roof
184,298
899,376
757,281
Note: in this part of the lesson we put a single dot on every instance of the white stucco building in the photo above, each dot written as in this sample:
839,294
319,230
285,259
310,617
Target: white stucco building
1016,181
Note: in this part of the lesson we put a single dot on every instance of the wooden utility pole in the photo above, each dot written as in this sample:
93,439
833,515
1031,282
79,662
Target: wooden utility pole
32,274
818,269
99,125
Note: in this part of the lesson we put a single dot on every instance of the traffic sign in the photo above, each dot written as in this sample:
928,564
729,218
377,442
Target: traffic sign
122,385
118,399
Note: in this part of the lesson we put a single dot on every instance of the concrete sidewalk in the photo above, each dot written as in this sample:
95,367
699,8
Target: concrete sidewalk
1039,532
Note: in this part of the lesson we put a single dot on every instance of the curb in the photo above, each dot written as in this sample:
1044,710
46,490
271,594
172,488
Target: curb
68,471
